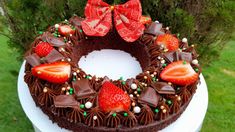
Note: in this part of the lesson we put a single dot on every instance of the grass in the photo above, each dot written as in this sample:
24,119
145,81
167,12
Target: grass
12,117
220,77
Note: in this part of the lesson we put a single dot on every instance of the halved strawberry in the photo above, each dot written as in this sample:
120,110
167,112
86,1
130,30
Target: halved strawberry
43,49
65,30
169,41
180,73
112,98
57,72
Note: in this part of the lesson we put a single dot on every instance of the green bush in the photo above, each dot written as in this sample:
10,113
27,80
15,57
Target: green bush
208,24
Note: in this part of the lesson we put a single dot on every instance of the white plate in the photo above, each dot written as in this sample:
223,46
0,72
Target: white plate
190,121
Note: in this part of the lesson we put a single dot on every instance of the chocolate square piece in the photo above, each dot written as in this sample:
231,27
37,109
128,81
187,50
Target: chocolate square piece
53,40
83,89
185,56
154,29
64,101
76,21
33,59
54,56
150,97
163,88
169,56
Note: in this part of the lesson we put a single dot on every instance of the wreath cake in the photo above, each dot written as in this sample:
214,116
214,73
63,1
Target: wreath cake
78,101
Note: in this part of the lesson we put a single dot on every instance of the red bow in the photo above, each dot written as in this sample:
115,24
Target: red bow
126,19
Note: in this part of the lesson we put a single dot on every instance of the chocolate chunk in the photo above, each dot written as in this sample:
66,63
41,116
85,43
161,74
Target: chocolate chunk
76,21
183,45
48,37
33,59
185,56
169,56
163,88
150,97
83,89
154,29
54,56
192,51
64,101
176,56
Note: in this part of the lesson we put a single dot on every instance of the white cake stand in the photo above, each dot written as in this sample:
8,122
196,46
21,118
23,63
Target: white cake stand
190,121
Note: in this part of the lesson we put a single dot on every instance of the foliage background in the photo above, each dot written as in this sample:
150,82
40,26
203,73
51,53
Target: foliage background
206,23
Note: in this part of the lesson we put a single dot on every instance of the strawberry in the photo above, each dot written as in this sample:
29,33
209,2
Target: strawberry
180,73
57,72
43,49
112,98
65,30
169,41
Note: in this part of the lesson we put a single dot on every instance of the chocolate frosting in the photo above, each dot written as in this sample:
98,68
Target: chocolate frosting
75,115
29,78
161,115
33,59
90,117
141,78
122,85
83,89
113,121
130,120
58,111
65,101
185,94
37,87
149,96
46,98
176,103
146,116
163,88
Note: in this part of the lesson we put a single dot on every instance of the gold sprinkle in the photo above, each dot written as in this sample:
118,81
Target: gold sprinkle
135,92
133,103
45,89
67,93
137,95
162,107
147,72
145,77
164,111
78,71
63,89
39,72
179,98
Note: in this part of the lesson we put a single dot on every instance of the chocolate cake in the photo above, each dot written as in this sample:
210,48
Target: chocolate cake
79,101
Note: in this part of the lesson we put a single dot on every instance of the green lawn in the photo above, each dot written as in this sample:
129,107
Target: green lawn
220,77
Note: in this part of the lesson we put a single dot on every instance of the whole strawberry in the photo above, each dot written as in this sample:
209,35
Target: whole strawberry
112,98
43,49
169,41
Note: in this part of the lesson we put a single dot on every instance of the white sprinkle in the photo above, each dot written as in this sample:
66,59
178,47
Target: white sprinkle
94,117
152,75
68,59
163,61
158,57
131,96
184,40
137,109
88,105
133,86
195,62
57,25
167,28
65,20
157,22
75,73
70,35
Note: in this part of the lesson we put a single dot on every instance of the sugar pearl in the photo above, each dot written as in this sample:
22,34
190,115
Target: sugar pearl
158,57
195,62
152,75
70,35
162,107
133,103
133,86
63,89
184,40
179,98
94,117
164,110
147,72
135,92
88,105
157,22
131,96
45,90
75,73
145,77
57,25
137,109
163,61
167,28
68,59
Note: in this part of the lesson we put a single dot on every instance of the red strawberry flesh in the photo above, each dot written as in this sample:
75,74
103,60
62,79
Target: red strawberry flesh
57,72
66,30
180,73
169,41
112,98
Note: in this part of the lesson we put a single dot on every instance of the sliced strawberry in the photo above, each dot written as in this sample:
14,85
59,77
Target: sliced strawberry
112,98
57,72
43,49
169,41
66,30
180,73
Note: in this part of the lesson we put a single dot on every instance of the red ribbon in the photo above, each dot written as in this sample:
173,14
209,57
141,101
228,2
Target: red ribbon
127,17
